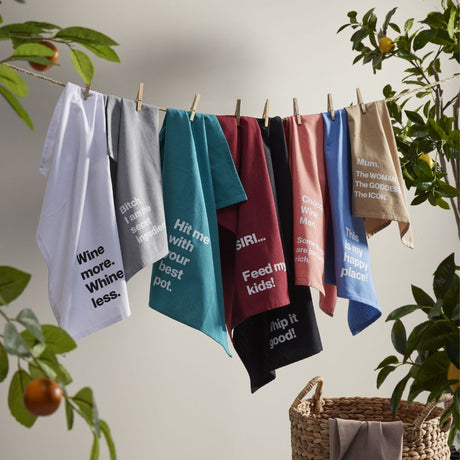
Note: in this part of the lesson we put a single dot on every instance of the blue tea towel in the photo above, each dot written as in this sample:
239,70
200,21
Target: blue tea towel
350,268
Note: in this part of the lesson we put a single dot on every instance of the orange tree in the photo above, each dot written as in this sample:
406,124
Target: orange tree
40,381
427,137
36,42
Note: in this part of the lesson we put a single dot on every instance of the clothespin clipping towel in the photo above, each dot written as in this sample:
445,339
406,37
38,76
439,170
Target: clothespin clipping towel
237,111
86,93
265,114
360,101
330,107
296,111
140,92
194,106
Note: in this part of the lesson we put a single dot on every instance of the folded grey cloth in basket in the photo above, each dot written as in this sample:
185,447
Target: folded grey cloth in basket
363,440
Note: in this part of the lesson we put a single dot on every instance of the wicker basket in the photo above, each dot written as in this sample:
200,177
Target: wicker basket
423,437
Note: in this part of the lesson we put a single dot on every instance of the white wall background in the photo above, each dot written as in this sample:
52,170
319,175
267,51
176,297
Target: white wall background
167,391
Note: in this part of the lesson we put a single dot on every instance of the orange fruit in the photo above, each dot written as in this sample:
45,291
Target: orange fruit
42,396
427,159
386,44
453,374
54,58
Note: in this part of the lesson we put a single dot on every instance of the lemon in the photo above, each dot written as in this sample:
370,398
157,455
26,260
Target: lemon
386,44
427,159
453,374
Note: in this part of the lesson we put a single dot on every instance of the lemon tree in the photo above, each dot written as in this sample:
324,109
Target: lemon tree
430,131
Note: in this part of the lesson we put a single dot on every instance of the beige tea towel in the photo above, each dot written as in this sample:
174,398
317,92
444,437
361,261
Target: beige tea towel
378,188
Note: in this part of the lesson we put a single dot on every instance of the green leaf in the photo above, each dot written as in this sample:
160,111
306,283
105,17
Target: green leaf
102,51
435,20
398,336
433,371
85,35
22,29
63,375
421,297
57,340
95,449
387,20
28,319
414,117
452,22
453,349
368,15
35,372
388,360
414,338
358,37
342,28
402,311
33,49
396,396
417,131
352,15
44,26
388,91
32,58
85,401
4,366
69,416
408,25
395,27
83,65
13,342
423,37
12,81
419,199
15,399
108,438
436,312
435,130
383,374
42,368
435,337
20,111
443,276
452,298
12,282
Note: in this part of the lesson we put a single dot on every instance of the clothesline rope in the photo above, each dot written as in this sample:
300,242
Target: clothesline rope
389,99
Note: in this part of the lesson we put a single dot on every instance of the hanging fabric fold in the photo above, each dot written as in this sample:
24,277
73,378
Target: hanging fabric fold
310,204
285,335
347,255
199,177
77,232
378,186
133,146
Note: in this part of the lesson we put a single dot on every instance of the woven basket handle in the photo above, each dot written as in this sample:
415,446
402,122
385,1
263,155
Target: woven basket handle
317,402
420,420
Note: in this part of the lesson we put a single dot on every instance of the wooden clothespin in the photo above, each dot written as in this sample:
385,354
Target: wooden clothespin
194,106
140,93
237,111
86,93
265,114
296,111
330,107
360,101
